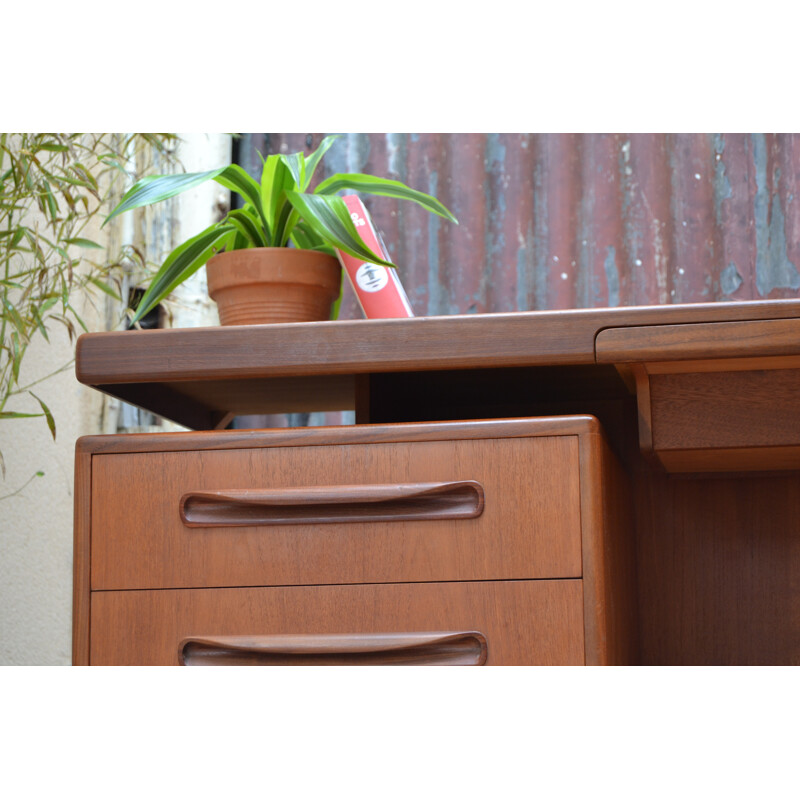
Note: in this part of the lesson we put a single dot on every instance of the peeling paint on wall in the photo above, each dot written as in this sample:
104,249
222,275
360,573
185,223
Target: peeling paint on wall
578,220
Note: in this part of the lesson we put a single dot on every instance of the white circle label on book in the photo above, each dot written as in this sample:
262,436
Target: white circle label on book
372,277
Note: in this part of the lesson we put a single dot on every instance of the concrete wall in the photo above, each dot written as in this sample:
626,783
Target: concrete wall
36,523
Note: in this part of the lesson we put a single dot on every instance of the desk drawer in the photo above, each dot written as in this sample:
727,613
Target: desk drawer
518,622
507,506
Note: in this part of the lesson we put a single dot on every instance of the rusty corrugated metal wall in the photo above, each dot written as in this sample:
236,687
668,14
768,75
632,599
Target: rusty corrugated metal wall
552,221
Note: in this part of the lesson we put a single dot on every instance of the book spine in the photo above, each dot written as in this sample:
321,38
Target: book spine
378,289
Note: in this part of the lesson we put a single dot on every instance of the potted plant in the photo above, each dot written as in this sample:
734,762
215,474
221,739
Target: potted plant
273,260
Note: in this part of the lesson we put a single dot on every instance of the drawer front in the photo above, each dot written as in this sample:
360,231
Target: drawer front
516,622
368,513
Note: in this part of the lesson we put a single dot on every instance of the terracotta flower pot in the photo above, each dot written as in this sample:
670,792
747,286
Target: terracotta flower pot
273,284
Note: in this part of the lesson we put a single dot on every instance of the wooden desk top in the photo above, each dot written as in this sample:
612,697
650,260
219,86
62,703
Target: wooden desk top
195,376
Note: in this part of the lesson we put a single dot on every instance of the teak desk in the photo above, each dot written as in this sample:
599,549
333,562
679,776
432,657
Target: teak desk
587,486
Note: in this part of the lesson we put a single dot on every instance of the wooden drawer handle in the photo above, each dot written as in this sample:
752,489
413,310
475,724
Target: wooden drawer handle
467,648
319,504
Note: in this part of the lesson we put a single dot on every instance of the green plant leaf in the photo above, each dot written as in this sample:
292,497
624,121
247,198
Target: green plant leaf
369,184
51,202
17,238
16,415
296,164
237,180
80,242
304,237
329,218
180,264
14,314
247,226
37,315
16,356
82,172
313,160
277,180
337,304
48,304
267,181
51,423
155,188
77,317
238,241
104,287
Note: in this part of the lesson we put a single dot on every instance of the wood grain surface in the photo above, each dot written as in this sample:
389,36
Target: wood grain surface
322,505
194,376
718,569
566,425
524,622
717,558
704,340
529,528
515,339
442,648
712,419
725,409
609,557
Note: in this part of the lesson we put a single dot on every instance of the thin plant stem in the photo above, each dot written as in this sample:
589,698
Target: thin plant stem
37,474
22,389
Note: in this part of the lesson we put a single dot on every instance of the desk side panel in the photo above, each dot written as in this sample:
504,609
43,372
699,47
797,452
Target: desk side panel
609,556
81,554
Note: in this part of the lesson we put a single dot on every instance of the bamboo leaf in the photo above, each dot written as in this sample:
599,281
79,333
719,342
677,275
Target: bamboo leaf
104,287
182,262
77,317
51,423
51,202
17,238
14,314
16,356
80,242
329,218
80,170
16,415
39,323
369,184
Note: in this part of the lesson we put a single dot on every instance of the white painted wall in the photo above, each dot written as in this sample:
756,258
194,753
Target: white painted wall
36,524
194,211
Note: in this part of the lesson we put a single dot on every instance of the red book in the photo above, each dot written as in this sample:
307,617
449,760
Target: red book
378,289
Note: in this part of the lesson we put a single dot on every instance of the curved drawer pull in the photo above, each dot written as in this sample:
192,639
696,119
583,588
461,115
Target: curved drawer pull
320,504
459,648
